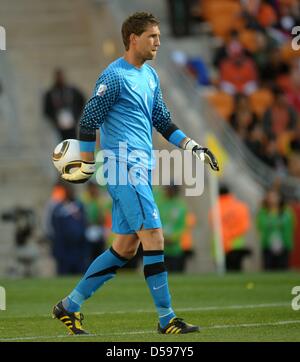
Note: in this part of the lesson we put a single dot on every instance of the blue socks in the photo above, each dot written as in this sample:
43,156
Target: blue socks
157,279
102,269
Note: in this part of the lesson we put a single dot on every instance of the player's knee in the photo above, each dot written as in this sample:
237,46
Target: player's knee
127,254
130,253
152,239
157,240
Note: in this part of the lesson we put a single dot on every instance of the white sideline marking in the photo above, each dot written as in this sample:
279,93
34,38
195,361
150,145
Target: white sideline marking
225,326
191,309
249,325
199,309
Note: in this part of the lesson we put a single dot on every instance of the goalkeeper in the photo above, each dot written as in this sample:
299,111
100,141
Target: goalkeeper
127,102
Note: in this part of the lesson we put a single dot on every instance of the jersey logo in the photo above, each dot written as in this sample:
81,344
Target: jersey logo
155,288
154,214
101,90
134,87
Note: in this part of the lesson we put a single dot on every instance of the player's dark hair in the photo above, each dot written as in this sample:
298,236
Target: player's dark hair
136,24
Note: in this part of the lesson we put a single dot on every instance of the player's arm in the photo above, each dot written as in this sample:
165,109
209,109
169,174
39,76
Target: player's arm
163,124
90,156
97,139
95,112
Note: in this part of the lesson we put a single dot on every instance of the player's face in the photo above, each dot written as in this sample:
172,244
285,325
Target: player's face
148,43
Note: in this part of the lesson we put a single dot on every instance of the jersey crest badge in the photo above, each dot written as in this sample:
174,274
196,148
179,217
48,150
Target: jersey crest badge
101,90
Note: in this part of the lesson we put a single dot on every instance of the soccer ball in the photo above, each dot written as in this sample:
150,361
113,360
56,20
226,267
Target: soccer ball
66,156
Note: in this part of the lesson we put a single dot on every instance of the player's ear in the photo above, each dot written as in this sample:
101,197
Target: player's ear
133,39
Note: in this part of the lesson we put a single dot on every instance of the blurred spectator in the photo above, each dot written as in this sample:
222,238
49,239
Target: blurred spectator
266,14
199,70
293,88
63,105
258,14
257,52
96,233
243,119
275,224
223,51
68,227
187,237
58,194
273,158
274,68
194,65
295,250
238,71
280,117
256,141
294,164
260,45
288,14
295,141
235,223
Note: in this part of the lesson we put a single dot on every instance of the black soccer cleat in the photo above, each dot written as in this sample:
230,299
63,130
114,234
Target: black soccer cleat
73,321
177,326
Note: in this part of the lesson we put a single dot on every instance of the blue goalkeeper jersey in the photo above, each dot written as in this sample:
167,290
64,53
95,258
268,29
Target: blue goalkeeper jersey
126,104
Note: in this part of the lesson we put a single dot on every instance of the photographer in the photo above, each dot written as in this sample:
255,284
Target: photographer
26,251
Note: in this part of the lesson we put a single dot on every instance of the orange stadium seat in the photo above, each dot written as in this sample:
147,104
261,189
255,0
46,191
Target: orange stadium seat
288,53
260,100
248,38
222,102
209,8
223,16
283,142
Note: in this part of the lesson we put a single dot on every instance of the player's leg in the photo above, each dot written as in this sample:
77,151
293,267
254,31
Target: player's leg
126,245
103,268
155,272
157,280
137,204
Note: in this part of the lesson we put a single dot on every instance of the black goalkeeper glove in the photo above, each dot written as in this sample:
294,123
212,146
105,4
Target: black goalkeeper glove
202,153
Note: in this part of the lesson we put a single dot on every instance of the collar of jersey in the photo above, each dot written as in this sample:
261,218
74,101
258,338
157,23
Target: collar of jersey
131,66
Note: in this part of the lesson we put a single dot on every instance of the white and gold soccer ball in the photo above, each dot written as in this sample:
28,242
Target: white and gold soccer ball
66,156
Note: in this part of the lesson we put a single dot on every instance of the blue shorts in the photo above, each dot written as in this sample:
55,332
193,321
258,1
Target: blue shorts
134,206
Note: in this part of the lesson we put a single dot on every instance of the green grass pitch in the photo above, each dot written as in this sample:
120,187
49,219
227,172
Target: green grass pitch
235,307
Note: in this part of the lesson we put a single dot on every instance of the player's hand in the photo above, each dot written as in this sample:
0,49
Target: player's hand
208,157
202,153
82,174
